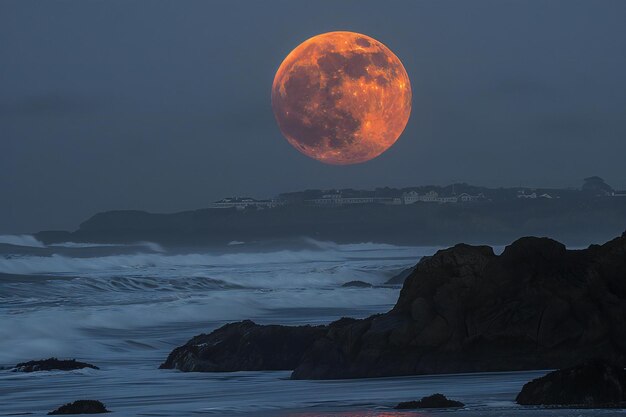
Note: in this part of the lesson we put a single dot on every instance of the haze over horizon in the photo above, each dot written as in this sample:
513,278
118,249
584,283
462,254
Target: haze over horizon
113,105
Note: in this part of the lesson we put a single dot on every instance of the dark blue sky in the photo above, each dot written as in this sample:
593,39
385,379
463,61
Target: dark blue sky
165,105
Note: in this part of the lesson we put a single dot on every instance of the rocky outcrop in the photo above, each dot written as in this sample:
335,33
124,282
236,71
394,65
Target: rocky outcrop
592,384
400,277
52,364
81,407
464,309
432,401
244,346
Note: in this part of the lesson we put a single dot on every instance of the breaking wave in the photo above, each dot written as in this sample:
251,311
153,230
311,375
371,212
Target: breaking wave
106,304
21,240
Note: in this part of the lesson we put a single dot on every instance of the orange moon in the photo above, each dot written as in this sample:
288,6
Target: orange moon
341,98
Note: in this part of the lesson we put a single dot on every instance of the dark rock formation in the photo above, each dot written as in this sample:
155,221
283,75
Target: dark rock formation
592,384
244,346
52,364
464,309
432,401
399,279
357,284
81,407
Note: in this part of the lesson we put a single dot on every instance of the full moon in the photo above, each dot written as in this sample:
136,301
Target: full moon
341,98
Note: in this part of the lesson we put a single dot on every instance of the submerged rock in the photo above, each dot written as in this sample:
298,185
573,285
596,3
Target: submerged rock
81,407
357,284
432,401
592,384
464,309
52,364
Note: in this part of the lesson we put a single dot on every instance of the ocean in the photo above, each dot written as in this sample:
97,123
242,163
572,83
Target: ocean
125,307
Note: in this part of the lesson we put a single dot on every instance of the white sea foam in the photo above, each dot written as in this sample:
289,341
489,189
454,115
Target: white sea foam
124,294
202,261
21,240
155,247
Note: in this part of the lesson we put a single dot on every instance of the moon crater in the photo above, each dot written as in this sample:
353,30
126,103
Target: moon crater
341,98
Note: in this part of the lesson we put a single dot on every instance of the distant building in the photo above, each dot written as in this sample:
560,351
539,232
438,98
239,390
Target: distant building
334,200
326,200
243,203
430,197
393,201
467,198
450,199
522,194
533,195
356,200
411,197
619,194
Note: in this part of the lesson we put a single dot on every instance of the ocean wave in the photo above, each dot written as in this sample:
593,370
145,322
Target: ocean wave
351,247
70,331
64,264
154,247
31,241
126,284
21,240
104,301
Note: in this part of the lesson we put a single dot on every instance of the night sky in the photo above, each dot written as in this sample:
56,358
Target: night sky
165,106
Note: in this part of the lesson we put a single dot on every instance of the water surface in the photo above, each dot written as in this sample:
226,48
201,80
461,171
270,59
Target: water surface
124,307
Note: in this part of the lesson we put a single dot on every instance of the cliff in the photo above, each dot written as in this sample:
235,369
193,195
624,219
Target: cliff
575,222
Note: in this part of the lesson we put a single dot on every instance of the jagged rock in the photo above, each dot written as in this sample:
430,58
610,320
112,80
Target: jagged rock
399,278
357,284
52,364
432,401
592,384
464,309
81,407
244,346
